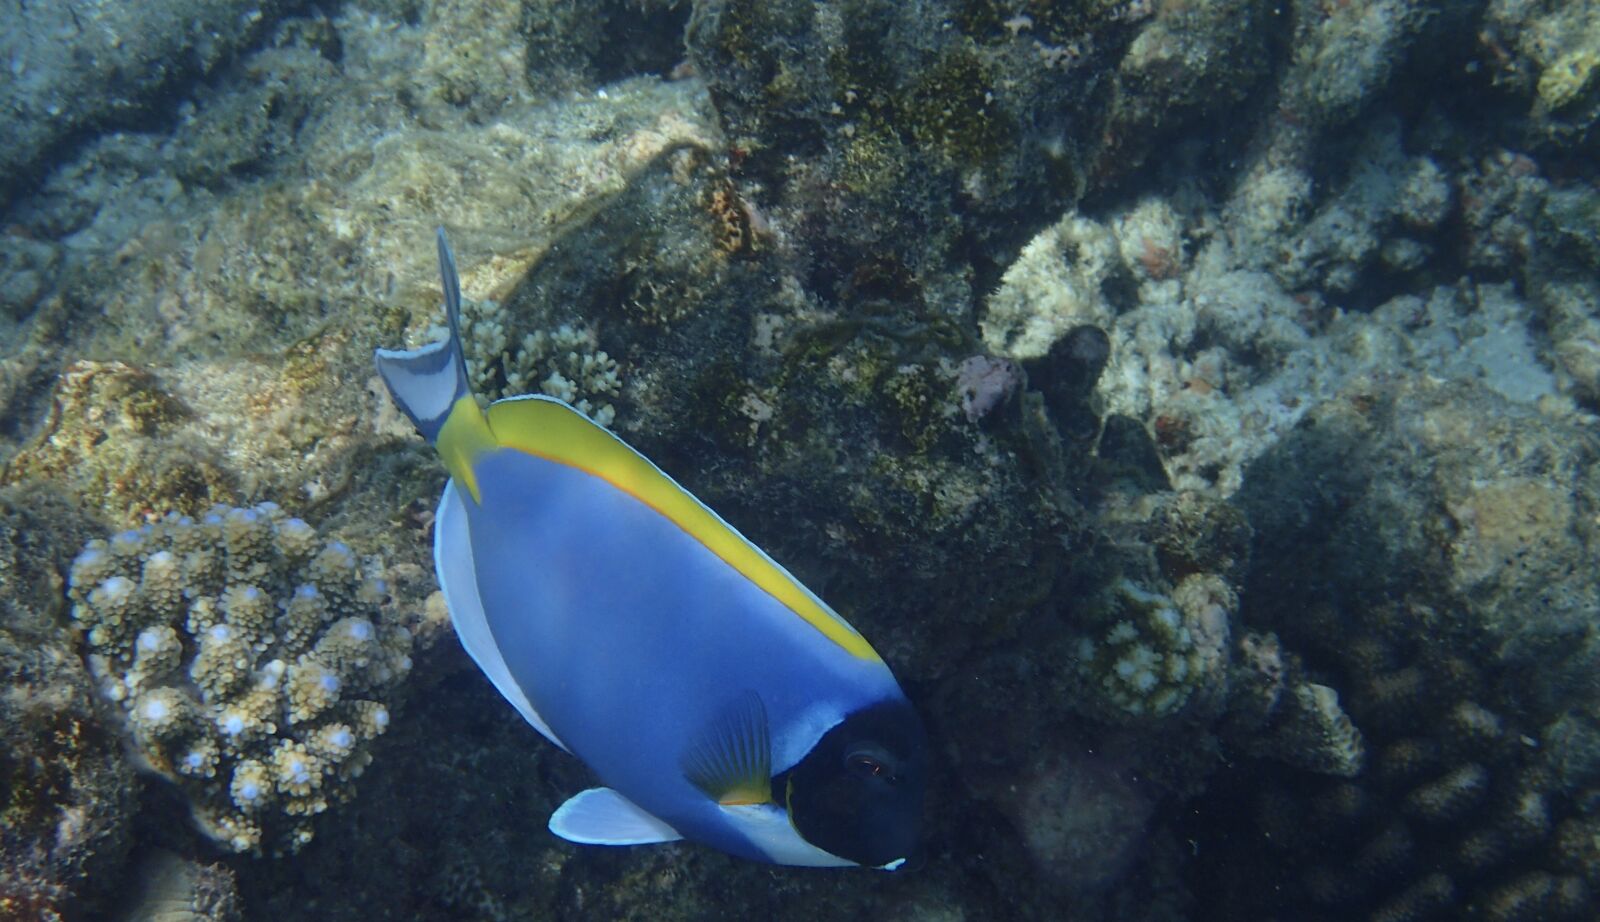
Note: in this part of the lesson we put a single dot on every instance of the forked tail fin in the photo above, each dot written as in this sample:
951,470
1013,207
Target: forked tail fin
429,381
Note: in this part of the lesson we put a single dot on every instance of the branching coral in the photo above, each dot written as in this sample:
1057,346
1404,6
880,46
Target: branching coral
1155,651
252,661
566,362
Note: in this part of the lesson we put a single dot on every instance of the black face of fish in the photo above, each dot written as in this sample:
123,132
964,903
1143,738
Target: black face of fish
858,792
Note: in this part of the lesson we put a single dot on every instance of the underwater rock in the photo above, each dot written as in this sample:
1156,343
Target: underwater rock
1218,356
67,792
27,268
255,303
1275,712
890,136
1198,533
93,65
1053,287
1451,606
1387,203
1344,56
245,314
1561,279
1190,63
254,665
109,436
1315,734
1547,53
1081,818
1446,502
175,889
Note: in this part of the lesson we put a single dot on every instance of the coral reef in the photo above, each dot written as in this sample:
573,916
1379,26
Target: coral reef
1220,354
1452,603
1153,652
254,663
564,363
978,314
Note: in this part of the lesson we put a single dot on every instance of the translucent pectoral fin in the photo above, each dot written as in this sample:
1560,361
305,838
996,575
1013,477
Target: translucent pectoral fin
601,816
731,759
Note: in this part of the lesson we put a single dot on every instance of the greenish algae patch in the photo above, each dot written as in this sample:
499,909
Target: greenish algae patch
108,437
953,108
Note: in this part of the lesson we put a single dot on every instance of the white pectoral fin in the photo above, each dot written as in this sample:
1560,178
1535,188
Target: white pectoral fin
601,816
452,560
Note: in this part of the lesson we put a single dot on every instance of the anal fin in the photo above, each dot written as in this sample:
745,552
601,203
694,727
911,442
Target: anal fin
458,579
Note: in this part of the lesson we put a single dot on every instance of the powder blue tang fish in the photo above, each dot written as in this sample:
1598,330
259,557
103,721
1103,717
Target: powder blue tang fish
715,697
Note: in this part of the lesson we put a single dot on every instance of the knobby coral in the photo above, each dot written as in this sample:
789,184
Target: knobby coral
252,662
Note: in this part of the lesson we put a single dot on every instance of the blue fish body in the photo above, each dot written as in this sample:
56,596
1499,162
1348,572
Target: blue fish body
715,697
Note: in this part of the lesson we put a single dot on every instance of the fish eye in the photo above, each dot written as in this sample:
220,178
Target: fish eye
870,762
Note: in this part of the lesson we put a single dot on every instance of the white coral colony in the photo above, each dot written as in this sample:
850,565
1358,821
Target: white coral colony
252,662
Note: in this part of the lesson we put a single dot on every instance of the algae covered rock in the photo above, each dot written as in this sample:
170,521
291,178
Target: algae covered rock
67,792
1450,497
1436,573
889,135
110,436
1547,53
99,64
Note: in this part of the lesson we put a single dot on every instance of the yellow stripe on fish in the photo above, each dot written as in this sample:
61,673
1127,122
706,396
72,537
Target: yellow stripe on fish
555,432
464,436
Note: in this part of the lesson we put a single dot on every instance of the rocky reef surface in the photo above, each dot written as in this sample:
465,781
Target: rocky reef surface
1194,400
